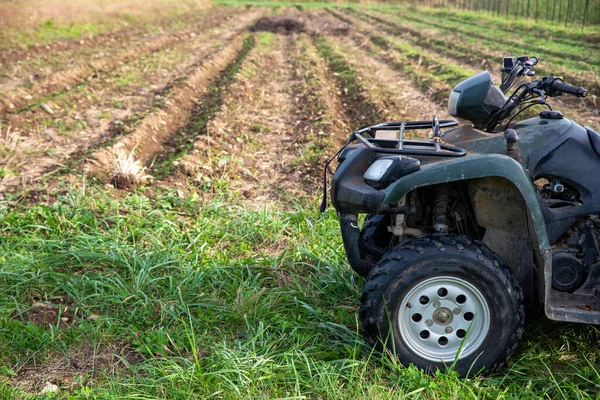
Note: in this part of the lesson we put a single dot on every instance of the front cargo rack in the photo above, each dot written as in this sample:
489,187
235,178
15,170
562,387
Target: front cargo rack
434,147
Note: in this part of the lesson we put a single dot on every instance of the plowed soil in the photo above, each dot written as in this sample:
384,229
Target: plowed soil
253,96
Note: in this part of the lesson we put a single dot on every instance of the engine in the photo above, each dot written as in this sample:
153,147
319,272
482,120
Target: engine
574,253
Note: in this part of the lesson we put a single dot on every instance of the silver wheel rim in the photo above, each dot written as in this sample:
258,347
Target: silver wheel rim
439,315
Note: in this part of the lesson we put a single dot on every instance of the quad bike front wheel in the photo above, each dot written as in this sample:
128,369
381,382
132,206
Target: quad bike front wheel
440,299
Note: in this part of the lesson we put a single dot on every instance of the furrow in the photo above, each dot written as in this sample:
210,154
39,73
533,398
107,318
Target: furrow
509,40
423,71
322,124
59,47
150,135
397,97
360,110
24,98
448,73
273,121
162,106
483,49
556,33
165,158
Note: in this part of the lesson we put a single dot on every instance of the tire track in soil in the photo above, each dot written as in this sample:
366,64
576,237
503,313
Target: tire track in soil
584,109
163,106
22,99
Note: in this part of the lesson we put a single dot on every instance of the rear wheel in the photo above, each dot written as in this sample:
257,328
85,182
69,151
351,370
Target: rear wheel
440,299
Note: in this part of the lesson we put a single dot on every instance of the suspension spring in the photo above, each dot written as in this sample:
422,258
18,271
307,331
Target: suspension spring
440,209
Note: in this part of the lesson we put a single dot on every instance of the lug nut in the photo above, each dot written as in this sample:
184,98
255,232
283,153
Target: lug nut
456,311
429,322
436,303
448,329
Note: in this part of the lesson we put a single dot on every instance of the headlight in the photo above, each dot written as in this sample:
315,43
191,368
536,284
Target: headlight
388,169
377,169
452,102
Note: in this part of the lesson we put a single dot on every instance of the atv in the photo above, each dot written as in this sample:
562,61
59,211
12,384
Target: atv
458,232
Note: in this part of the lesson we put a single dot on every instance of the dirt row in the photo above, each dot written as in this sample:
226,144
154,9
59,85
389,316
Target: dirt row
455,52
267,141
249,141
396,95
581,110
289,99
422,70
92,123
257,106
150,136
32,81
329,82
280,113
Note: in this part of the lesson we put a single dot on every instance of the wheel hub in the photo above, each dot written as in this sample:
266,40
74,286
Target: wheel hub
442,315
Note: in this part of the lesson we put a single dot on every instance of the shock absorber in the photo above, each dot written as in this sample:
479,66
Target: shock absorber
440,209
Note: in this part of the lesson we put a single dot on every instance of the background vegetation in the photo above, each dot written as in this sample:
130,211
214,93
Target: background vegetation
568,12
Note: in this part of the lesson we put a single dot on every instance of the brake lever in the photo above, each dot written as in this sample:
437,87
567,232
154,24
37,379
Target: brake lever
541,93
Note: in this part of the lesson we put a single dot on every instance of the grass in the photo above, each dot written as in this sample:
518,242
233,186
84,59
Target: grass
218,300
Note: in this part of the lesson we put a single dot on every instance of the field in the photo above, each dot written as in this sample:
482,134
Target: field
210,273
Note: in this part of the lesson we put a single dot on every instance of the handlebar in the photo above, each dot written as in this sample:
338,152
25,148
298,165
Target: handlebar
558,87
548,86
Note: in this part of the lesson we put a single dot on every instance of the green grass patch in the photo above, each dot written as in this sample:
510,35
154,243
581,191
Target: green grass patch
218,300
50,31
